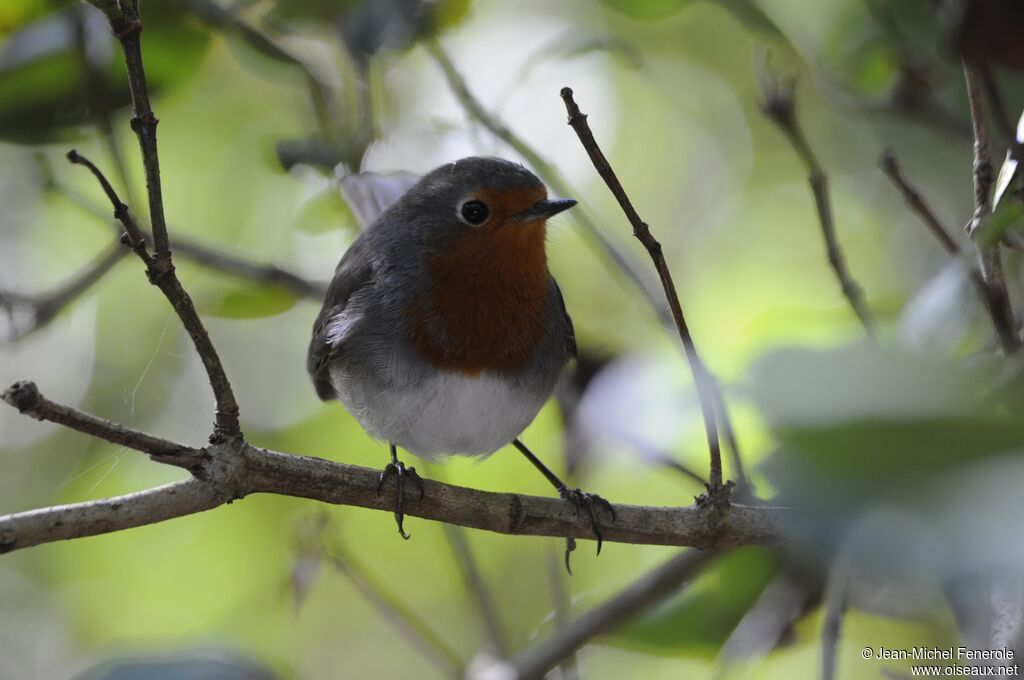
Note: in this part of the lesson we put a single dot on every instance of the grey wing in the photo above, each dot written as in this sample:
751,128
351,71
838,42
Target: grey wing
570,332
355,271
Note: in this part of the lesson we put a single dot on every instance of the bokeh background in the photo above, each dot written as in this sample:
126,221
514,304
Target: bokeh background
674,90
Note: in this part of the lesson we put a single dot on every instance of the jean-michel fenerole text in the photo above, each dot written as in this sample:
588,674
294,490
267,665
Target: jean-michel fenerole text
945,653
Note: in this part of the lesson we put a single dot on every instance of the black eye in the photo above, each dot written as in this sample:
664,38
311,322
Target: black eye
475,212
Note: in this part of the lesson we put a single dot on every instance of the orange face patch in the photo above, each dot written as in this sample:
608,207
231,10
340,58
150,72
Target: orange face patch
489,288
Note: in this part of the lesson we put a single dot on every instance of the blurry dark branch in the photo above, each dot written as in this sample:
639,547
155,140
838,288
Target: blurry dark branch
235,469
779,105
990,296
615,257
208,255
837,592
637,596
226,19
404,621
477,587
989,260
891,167
160,271
42,308
706,389
560,611
795,589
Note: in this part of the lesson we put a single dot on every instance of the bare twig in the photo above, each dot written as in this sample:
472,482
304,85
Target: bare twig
779,106
236,469
413,629
989,261
891,168
637,596
706,389
161,274
477,587
25,397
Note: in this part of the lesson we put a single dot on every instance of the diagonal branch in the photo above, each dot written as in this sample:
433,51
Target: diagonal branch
161,274
44,307
706,388
25,397
637,596
892,170
780,107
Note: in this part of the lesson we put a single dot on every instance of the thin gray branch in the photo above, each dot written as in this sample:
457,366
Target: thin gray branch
779,106
706,388
477,587
417,632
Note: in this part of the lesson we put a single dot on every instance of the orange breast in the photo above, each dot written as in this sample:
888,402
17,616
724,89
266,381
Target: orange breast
489,290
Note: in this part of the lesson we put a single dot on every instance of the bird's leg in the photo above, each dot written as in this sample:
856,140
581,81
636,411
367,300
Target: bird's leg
579,499
400,472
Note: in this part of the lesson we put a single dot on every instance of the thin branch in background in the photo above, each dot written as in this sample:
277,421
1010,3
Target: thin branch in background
226,19
892,170
204,254
403,620
161,274
43,308
706,389
837,591
989,297
989,261
779,105
477,586
645,592
794,590
567,667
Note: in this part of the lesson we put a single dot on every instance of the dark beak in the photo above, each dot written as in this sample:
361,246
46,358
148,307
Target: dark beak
546,208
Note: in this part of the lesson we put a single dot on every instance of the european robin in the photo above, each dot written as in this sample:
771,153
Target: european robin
443,332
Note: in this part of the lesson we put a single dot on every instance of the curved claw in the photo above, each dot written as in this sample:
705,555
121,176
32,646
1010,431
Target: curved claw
581,499
400,472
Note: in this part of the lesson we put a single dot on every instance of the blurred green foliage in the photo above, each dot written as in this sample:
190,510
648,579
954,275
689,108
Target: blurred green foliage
866,441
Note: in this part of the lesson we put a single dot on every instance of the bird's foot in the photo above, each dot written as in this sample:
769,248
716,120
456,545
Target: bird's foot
591,503
401,473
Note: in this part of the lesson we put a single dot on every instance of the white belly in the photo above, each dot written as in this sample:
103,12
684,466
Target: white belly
442,413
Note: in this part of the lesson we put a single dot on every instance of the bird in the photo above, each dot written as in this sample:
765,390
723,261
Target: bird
443,330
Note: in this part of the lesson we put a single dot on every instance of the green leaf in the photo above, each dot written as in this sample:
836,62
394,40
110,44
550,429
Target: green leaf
249,301
698,620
